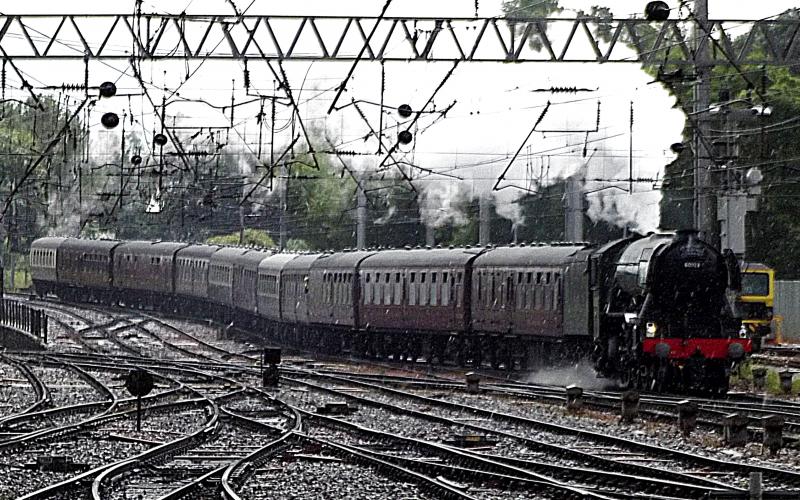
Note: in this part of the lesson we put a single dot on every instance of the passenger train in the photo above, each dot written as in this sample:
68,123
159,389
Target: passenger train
651,311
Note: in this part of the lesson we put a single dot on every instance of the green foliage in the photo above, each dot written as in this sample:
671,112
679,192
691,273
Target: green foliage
320,204
297,245
21,280
530,8
251,237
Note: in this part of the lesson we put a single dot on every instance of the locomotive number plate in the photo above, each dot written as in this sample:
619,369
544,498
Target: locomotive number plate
692,265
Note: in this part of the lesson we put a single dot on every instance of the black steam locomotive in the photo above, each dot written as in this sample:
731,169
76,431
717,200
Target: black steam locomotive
649,311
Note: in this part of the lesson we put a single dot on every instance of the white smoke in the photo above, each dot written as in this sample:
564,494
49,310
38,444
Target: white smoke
440,204
495,108
581,374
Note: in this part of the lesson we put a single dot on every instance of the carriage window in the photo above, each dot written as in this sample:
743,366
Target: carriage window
538,278
413,275
529,278
519,278
422,277
547,279
398,290
367,277
387,277
387,292
458,278
446,290
433,277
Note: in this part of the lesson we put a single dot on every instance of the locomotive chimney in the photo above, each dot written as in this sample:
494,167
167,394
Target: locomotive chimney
685,234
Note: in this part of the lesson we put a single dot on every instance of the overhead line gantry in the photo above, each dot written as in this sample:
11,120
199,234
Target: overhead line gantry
333,38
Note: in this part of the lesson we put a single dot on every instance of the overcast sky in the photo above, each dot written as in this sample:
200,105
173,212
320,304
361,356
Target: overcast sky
493,112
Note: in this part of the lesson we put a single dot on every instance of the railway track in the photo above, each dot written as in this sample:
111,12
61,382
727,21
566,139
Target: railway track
238,437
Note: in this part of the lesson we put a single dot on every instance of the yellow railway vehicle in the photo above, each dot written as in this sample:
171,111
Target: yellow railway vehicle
756,301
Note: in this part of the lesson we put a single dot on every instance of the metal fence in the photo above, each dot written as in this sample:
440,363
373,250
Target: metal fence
787,306
24,319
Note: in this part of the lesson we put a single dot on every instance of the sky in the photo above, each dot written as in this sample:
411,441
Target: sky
493,106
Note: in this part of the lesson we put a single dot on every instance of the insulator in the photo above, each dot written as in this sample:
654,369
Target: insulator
108,89
110,120
72,86
404,110
405,137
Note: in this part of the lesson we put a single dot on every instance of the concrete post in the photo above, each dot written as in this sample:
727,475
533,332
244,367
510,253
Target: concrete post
705,210
573,205
430,236
574,397
735,429
773,433
756,492
786,381
361,217
473,381
759,378
484,219
630,406
687,417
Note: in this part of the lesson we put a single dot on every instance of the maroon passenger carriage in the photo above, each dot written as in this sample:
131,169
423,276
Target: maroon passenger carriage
334,301
294,292
192,266
268,292
415,303
245,298
85,270
143,273
44,270
519,307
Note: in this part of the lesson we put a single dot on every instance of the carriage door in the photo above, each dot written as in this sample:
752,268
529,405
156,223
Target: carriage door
509,293
576,305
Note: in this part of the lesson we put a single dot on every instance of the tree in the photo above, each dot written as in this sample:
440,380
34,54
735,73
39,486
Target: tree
320,204
248,237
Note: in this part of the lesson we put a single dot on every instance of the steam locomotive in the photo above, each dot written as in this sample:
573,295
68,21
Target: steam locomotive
652,311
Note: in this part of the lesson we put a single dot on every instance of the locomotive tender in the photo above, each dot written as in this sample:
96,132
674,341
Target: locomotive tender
651,311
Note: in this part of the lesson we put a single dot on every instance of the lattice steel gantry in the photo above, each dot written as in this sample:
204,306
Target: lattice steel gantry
156,37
